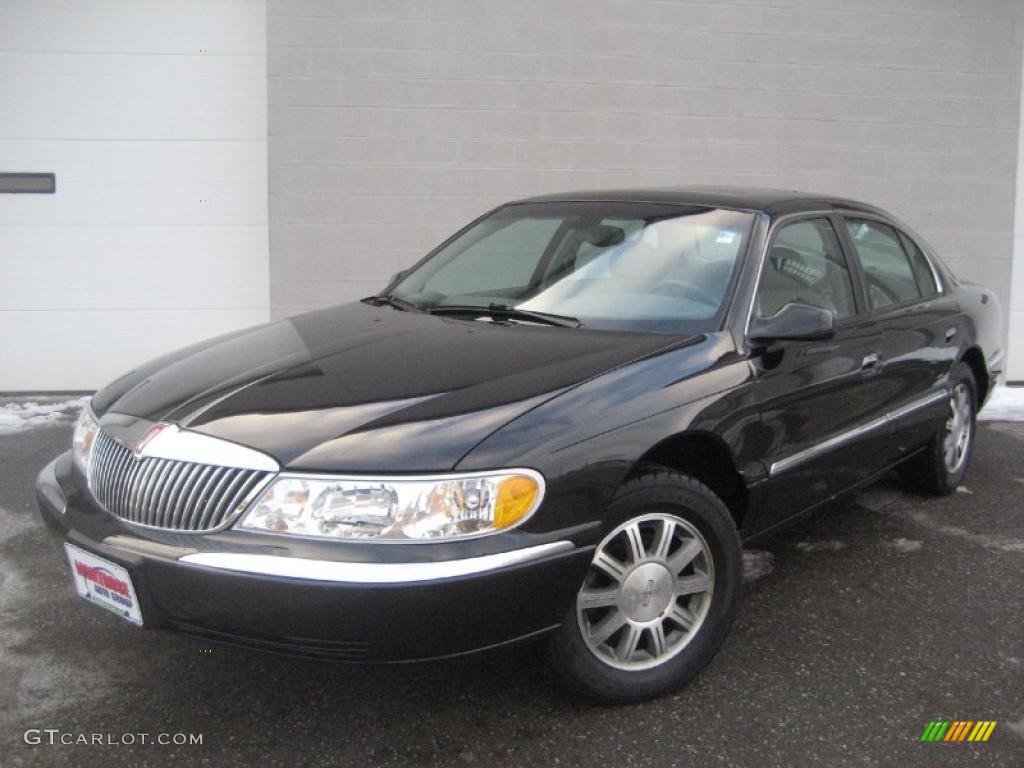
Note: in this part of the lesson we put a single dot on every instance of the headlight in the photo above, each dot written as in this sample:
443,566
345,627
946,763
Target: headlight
86,429
396,509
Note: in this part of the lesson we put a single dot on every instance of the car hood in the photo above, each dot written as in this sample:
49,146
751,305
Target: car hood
361,388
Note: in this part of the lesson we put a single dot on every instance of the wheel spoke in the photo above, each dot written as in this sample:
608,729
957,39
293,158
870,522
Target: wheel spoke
636,543
628,643
961,401
658,639
692,585
610,565
680,616
683,556
663,542
598,598
607,627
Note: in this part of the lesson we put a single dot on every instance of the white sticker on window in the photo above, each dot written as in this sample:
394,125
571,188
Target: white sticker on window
861,231
725,236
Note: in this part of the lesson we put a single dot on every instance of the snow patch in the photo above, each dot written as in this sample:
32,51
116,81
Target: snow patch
994,542
828,545
756,564
1005,404
21,417
904,545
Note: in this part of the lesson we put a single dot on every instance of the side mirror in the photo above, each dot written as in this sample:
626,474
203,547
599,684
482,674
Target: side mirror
795,322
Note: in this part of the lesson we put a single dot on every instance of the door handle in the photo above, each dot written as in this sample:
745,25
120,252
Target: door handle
871,362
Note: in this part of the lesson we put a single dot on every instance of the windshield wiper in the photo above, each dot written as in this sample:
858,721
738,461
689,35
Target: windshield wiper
506,312
389,299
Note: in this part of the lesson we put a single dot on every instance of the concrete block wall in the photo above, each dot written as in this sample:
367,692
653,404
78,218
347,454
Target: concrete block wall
392,123
1015,316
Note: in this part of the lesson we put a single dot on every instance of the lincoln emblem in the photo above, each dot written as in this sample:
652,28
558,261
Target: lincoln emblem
151,433
649,592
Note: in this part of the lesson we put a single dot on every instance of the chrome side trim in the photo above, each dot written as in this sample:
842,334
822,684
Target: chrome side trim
371,573
829,445
173,442
917,405
857,432
940,285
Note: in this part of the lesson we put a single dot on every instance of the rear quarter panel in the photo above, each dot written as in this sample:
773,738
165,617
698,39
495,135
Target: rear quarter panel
984,316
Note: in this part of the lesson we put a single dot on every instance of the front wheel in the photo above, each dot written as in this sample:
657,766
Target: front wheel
660,594
941,467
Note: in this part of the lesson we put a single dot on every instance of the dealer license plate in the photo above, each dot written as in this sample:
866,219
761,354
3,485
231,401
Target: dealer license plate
104,583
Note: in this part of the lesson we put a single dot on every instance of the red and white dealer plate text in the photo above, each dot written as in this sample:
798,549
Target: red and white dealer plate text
104,583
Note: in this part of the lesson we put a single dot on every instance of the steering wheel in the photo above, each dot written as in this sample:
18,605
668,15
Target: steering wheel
684,289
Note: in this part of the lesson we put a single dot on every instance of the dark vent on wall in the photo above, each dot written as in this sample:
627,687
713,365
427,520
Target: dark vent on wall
28,183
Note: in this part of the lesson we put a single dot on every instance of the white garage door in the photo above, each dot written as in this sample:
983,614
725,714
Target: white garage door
152,116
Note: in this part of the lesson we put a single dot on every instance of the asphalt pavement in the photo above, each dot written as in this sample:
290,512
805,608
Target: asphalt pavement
859,626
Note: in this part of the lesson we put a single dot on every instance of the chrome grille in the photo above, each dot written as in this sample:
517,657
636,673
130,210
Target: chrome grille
165,493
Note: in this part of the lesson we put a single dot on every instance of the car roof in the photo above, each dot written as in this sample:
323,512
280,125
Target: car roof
775,202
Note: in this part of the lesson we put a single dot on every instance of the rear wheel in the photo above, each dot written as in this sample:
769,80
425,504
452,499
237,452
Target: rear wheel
941,467
660,595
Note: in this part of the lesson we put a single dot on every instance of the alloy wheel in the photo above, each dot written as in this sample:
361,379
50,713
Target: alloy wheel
959,426
647,592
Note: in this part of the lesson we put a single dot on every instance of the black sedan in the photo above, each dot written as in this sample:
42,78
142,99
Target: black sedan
564,421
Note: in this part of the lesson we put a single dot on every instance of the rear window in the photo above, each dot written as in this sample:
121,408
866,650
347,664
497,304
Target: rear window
922,269
890,277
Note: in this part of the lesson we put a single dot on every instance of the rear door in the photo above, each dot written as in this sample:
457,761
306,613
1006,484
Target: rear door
919,325
822,403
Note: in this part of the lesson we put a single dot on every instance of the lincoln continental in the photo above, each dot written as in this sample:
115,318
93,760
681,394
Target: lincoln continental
561,425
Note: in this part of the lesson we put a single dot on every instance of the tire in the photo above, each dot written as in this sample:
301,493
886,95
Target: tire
690,571
931,471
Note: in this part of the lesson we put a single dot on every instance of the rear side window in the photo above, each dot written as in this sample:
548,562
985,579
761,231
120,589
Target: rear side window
805,265
922,269
887,268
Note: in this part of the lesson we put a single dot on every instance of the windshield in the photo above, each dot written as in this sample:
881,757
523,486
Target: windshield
612,266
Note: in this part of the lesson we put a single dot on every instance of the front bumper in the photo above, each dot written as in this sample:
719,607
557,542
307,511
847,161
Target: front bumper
386,604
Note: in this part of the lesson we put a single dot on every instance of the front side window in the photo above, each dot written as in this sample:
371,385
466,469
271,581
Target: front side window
613,266
805,265
890,279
